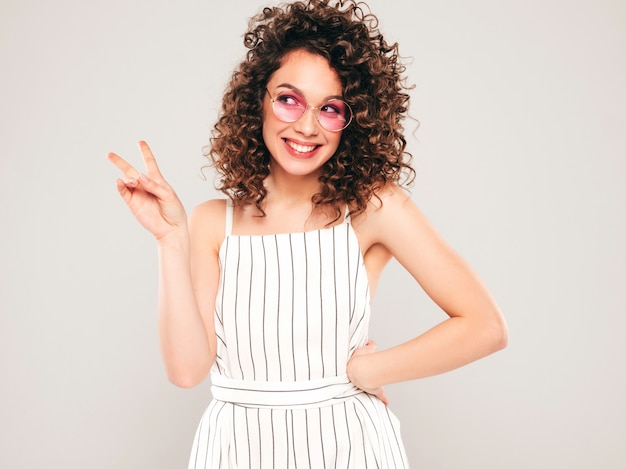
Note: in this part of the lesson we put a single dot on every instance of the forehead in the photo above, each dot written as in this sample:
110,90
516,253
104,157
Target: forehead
307,72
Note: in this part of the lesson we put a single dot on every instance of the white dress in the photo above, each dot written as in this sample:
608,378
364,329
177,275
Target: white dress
290,310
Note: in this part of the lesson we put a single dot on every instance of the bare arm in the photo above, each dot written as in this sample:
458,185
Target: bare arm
186,329
475,327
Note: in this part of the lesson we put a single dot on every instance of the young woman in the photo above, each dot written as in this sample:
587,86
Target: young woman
269,290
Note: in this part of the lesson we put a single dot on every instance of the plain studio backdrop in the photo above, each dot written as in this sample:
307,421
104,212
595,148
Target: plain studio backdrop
520,158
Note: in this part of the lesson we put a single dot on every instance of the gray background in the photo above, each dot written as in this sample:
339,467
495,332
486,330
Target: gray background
520,158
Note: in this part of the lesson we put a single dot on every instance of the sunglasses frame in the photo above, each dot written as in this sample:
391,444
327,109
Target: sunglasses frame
313,108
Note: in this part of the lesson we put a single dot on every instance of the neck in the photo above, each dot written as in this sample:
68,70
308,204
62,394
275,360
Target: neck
291,190
288,206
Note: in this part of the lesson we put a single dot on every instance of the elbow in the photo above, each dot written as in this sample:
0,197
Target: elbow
185,378
189,373
498,334
490,334
188,377
184,381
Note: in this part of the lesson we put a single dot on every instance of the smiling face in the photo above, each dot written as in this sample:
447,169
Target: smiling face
301,148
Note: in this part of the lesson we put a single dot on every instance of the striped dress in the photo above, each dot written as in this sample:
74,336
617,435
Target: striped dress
290,310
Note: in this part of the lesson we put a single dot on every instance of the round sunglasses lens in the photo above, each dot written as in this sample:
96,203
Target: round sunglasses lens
289,108
334,115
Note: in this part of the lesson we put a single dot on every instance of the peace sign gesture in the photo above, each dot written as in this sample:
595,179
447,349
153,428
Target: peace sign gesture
148,196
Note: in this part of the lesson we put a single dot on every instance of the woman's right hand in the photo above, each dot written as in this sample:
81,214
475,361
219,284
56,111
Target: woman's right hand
149,197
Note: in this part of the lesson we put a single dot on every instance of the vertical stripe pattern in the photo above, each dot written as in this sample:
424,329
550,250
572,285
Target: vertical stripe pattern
290,311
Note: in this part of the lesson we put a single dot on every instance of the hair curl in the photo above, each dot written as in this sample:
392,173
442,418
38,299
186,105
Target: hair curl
372,148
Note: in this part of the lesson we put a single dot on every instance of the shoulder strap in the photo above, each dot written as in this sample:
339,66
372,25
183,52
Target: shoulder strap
346,216
229,217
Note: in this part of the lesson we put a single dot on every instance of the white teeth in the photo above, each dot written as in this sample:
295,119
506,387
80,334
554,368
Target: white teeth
300,148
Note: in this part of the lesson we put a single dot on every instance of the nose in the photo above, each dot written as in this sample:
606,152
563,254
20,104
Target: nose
308,124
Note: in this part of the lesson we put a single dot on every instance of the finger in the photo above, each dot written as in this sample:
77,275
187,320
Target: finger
129,171
160,191
150,161
383,397
124,188
370,346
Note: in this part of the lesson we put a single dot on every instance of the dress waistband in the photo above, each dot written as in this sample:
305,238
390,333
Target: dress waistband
283,394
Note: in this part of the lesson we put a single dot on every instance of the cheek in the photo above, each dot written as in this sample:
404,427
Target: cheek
335,139
269,130
271,134
271,124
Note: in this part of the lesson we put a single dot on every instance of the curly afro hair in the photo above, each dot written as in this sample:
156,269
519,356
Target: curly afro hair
372,149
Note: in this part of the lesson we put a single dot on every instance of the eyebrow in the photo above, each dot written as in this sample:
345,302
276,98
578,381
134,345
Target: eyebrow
297,90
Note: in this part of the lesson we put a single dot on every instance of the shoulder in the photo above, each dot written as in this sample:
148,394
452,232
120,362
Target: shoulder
214,208
395,224
391,216
207,223
391,204
389,199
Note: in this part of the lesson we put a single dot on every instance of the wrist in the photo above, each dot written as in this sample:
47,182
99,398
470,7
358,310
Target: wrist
176,240
362,371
